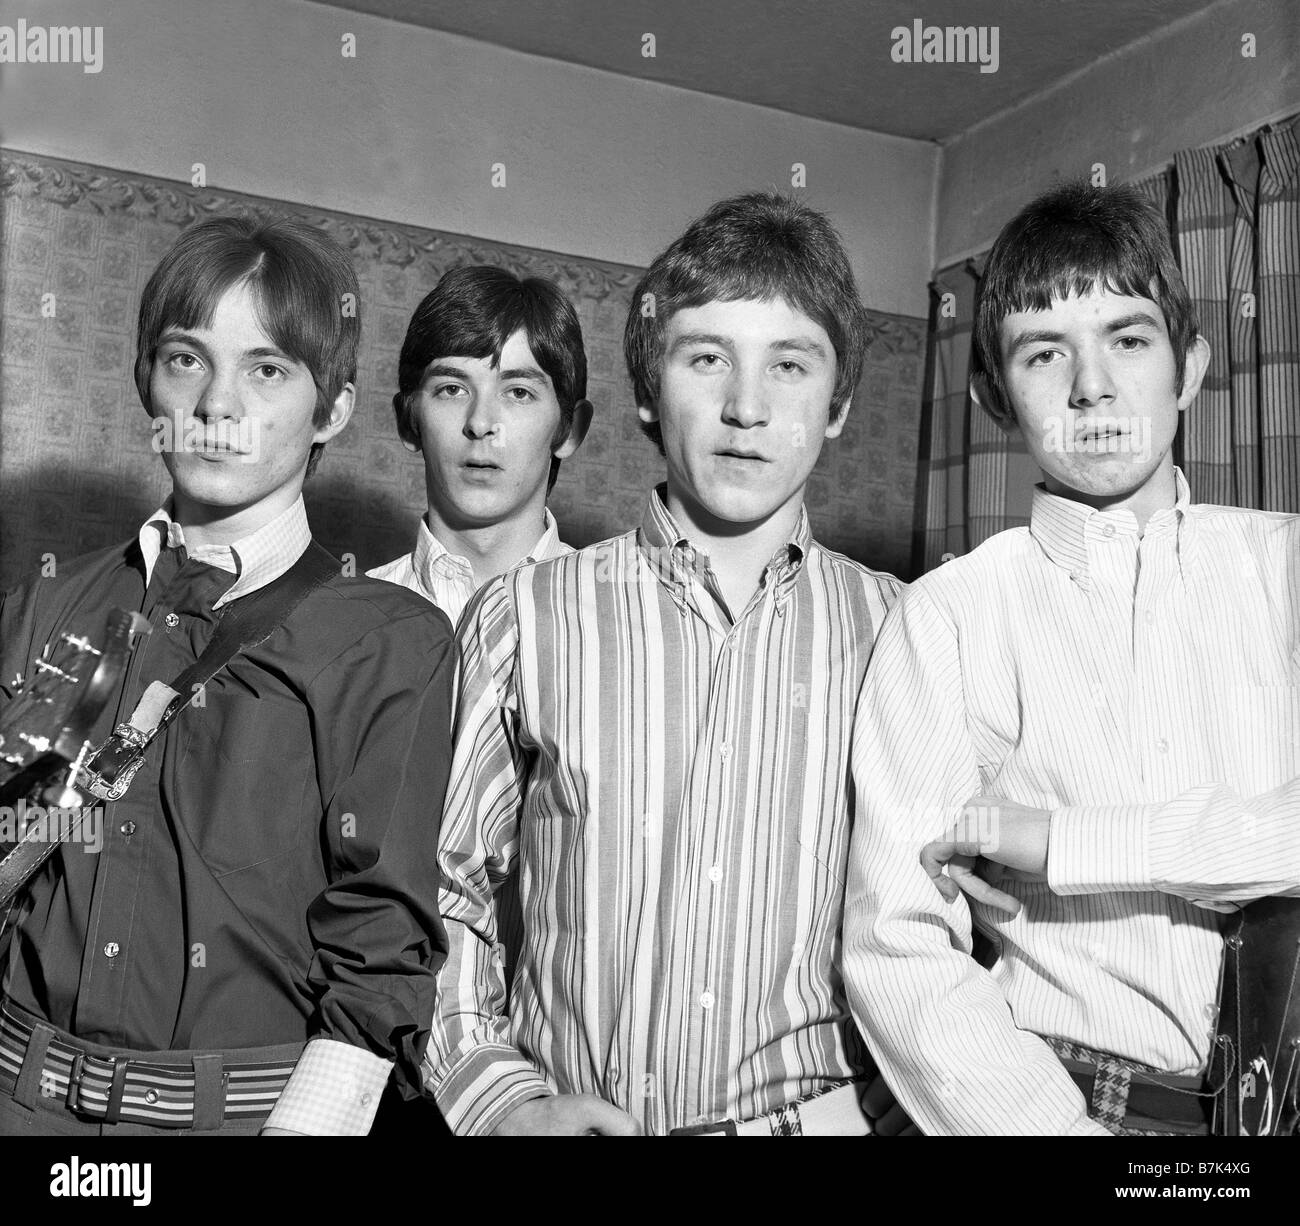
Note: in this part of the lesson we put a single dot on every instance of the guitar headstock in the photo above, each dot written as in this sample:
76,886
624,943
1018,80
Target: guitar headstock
46,722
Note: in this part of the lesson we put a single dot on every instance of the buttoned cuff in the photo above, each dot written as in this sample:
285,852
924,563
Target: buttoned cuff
1099,849
484,1085
333,1091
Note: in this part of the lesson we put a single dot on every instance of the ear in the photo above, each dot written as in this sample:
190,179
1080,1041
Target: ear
987,400
835,426
578,428
340,413
1195,365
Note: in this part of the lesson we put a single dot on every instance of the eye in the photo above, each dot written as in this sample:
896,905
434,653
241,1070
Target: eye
268,372
521,395
1044,357
448,391
1131,344
707,361
790,367
183,361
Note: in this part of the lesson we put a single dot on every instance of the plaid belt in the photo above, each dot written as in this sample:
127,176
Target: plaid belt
197,1090
1135,1099
833,1111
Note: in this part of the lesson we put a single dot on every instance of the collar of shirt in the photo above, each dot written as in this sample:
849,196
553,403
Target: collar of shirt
257,559
1067,529
659,535
431,559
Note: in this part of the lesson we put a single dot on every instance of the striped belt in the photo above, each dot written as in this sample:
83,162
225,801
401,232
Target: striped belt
197,1090
837,1111
1130,1097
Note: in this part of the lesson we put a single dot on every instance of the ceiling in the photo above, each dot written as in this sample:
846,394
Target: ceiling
829,59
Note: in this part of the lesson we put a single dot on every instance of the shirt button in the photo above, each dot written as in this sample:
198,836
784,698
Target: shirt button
151,1096
725,751
171,621
112,949
1162,745
1150,618
715,874
733,645
706,1000
365,1100
127,828
1108,530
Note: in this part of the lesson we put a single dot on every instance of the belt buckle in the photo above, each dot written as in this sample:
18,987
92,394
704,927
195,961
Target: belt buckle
73,1097
114,787
722,1128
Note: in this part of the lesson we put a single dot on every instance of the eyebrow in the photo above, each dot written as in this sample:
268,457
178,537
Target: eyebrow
1135,319
446,370
800,344
197,342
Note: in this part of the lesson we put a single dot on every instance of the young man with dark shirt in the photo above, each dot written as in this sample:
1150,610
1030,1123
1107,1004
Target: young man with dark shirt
254,946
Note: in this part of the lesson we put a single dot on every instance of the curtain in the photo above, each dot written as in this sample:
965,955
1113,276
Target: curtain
1234,214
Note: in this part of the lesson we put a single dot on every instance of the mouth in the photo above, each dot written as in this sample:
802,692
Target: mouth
733,453
480,465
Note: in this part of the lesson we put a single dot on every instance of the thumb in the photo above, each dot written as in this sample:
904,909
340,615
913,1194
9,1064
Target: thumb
611,1121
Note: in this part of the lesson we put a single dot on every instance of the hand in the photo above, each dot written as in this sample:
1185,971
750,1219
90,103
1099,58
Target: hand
567,1115
991,834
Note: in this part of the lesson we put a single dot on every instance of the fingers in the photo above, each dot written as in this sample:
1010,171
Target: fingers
605,1120
892,1123
982,891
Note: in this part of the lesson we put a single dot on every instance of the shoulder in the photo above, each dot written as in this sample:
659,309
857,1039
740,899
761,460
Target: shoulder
395,571
974,580
348,611
845,571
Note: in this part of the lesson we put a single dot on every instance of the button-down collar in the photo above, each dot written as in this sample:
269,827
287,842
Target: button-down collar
1067,530
256,560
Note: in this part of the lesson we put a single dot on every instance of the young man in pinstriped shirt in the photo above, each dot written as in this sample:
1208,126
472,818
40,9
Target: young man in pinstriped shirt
653,742
1113,680
492,390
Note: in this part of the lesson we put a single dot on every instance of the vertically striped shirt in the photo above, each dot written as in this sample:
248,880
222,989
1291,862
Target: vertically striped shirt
669,794
1142,687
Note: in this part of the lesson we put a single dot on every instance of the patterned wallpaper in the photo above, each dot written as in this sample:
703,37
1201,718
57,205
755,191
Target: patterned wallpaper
76,468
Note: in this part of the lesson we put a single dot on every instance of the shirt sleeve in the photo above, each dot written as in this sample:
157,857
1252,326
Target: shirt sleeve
382,711
477,1075
333,1091
936,1021
1210,846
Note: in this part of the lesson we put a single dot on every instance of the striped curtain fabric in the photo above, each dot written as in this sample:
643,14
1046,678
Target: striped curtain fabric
1234,212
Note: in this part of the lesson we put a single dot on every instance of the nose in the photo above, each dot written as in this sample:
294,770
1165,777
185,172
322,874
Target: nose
479,421
219,398
1092,384
746,399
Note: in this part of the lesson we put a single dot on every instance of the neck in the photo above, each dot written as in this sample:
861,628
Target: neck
490,549
205,525
738,552
1158,493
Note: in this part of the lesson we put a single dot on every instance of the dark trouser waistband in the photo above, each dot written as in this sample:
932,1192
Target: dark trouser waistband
1125,1095
164,1089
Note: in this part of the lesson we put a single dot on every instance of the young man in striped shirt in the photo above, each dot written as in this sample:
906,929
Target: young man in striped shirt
1102,687
492,387
653,742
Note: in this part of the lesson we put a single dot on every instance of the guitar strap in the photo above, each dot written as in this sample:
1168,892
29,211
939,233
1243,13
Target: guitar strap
108,771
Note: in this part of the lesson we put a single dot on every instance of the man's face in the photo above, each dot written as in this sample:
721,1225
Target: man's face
744,404
1092,383
233,416
487,434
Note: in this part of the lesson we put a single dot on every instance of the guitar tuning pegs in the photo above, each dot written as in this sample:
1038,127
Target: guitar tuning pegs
17,683
81,643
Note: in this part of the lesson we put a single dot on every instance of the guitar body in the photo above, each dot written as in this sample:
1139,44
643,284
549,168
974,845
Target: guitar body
44,730
1259,1021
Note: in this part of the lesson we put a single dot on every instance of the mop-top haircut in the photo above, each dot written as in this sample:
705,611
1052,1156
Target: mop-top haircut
1074,239
300,279
471,313
763,246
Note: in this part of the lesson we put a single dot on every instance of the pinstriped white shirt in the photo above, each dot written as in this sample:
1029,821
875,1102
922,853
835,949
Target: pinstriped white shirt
668,794
446,578
1143,688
